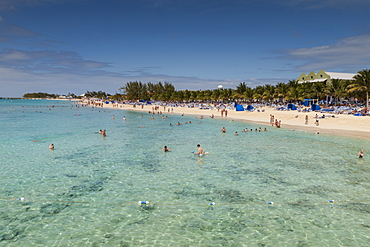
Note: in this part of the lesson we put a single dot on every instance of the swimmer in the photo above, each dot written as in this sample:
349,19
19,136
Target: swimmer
361,154
200,151
166,149
223,130
104,133
51,146
236,133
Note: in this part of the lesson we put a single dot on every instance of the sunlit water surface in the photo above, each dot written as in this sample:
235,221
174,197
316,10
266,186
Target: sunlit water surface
269,188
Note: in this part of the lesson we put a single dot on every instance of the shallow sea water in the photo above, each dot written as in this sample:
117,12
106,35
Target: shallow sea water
86,191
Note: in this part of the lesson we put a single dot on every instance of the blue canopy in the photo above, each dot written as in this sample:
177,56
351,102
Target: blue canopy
291,107
307,102
239,107
315,107
250,108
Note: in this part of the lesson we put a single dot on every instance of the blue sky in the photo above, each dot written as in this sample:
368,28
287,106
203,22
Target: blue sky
62,46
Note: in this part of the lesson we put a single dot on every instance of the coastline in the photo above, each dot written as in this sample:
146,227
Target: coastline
339,125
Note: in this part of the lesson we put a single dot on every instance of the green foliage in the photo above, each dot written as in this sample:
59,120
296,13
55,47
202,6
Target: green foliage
140,91
40,95
361,83
94,94
292,90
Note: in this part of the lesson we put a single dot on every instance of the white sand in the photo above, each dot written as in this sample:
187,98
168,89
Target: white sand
342,124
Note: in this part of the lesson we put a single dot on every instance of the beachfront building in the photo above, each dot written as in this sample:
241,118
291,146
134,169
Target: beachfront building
323,76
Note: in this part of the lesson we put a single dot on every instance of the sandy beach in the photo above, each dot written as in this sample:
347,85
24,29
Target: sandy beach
340,124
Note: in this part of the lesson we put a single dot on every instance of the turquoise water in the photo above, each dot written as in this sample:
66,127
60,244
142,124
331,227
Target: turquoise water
86,191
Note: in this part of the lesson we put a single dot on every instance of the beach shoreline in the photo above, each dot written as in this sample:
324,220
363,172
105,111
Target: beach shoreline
339,125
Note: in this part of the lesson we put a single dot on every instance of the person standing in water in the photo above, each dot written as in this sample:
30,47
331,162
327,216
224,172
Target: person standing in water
361,154
200,150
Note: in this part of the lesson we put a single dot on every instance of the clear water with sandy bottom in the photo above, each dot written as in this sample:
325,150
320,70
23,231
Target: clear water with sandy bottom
269,188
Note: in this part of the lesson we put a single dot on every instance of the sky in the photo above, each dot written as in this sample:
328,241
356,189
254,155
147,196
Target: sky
74,46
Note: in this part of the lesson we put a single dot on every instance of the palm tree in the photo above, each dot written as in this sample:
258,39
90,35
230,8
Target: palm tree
248,94
318,90
336,89
281,90
361,83
238,93
215,95
295,93
241,88
269,92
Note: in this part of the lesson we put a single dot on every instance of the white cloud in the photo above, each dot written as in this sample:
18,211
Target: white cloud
51,61
345,55
14,55
15,82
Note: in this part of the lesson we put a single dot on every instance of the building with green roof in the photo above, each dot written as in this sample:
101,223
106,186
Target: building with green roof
323,76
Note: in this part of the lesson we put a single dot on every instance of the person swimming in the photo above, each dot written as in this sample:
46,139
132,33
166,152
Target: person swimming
166,149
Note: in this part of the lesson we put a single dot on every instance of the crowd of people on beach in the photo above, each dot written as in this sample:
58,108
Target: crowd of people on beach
222,108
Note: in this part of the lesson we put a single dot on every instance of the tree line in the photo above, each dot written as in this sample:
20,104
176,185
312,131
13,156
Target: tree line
40,95
337,89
